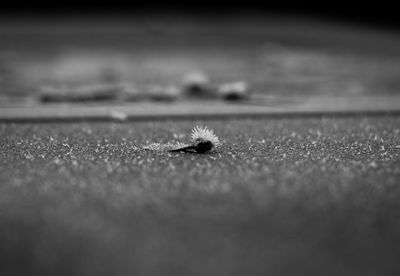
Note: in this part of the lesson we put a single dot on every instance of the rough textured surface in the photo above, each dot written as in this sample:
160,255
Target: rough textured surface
280,197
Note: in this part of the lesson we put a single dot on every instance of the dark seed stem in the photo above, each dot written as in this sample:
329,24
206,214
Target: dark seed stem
184,149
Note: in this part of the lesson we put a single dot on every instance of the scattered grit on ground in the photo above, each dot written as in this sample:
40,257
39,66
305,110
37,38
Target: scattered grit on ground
280,197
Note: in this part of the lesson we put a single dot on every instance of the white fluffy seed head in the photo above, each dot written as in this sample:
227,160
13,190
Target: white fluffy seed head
203,134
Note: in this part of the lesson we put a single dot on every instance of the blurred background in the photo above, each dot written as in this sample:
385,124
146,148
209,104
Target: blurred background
112,51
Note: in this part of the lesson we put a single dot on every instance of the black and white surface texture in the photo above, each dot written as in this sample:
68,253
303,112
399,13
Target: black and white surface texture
303,173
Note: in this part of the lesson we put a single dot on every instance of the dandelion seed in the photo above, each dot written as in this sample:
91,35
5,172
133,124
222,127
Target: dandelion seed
204,134
203,140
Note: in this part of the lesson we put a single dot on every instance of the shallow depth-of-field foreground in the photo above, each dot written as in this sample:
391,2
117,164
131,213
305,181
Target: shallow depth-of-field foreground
279,197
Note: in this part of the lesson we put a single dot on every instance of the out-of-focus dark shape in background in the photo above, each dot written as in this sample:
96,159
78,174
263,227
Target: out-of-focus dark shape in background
89,51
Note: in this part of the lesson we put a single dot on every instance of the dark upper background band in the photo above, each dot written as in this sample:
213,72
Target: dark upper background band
376,14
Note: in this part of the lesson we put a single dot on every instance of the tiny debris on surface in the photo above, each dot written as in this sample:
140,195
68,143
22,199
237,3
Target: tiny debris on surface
195,85
198,85
162,93
234,91
79,93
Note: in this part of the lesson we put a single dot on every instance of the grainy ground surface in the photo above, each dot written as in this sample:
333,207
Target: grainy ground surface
279,197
